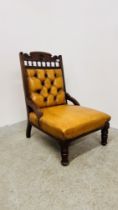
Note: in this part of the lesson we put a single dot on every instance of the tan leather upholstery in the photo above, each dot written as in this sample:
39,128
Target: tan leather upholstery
46,87
69,121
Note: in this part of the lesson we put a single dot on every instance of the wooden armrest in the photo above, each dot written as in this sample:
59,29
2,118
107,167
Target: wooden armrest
34,108
72,99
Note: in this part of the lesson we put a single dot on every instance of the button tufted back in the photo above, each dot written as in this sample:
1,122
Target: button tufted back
46,86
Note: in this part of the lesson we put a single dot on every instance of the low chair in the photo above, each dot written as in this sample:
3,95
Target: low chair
47,103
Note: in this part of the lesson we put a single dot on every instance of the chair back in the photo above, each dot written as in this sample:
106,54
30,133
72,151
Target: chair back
43,78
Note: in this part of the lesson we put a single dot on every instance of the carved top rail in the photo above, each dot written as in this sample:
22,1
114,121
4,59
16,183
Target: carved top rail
41,60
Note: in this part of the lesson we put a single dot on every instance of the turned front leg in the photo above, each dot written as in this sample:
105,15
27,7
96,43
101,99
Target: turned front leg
104,133
64,153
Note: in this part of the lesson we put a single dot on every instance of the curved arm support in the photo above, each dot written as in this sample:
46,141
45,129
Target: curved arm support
34,108
72,99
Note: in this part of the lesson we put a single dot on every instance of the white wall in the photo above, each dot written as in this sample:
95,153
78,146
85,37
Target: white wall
84,32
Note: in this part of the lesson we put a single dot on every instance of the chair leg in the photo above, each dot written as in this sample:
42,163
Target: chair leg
104,133
64,153
28,130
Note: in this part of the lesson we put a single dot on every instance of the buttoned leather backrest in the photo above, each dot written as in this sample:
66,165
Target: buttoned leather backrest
46,86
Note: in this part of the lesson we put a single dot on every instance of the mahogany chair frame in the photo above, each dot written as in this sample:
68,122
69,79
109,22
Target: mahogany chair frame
44,60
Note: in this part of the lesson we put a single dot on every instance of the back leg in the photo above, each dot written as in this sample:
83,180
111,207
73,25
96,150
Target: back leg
104,133
28,130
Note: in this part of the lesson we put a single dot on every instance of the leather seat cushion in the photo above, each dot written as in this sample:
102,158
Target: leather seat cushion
69,121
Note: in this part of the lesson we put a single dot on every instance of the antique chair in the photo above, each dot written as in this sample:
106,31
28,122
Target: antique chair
47,103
